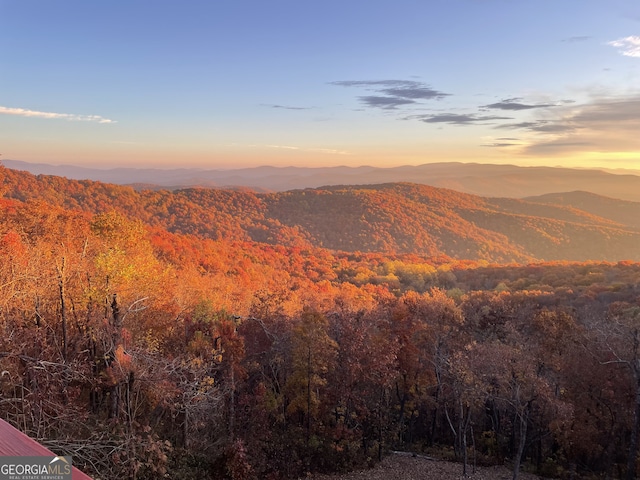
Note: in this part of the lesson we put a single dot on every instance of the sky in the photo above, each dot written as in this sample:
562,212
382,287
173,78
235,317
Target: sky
230,84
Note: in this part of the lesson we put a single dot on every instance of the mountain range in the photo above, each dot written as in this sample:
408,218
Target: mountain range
389,218
479,179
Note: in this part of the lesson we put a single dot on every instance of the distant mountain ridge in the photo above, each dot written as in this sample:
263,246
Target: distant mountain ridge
479,179
391,218
621,211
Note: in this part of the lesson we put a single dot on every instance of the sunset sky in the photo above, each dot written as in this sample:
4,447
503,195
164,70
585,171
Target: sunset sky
223,84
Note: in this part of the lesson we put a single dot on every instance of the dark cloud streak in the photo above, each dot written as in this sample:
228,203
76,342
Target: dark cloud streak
285,107
500,144
514,104
556,145
457,118
394,93
576,39
541,126
424,93
388,103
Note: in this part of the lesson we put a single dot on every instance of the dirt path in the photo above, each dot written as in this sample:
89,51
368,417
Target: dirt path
400,467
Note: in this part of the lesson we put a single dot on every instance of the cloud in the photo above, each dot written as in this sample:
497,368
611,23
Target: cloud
629,46
579,38
414,92
329,151
388,103
50,115
500,144
392,93
560,145
285,107
542,126
284,147
605,124
457,118
525,125
514,104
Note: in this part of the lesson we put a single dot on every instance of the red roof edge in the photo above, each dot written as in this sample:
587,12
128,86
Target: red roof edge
14,443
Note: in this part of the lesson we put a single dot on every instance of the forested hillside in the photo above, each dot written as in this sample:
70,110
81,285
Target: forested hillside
386,218
621,211
201,353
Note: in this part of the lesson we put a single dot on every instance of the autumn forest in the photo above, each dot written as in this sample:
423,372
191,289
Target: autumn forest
209,333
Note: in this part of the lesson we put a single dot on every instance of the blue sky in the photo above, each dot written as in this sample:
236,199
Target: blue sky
224,84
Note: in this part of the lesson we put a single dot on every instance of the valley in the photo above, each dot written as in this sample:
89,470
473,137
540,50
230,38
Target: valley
207,333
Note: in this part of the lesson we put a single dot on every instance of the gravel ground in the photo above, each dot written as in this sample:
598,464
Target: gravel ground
401,467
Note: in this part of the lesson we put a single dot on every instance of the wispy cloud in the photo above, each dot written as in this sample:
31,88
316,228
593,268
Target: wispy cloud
603,124
560,145
457,118
285,107
516,104
543,126
578,38
284,147
329,151
628,46
500,144
392,94
414,91
388,103
22,112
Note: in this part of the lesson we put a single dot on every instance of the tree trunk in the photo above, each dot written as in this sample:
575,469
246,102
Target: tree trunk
465,460
63,307
380,437
454,431
308,435
436,409
232,401
475,456
524,420
465,427
116,322
114,392
633,443
402,399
